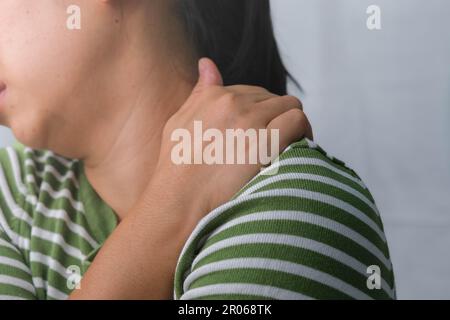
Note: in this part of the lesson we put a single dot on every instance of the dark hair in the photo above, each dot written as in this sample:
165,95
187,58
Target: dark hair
238,35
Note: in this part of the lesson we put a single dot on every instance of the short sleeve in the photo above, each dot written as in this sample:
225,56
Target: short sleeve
15,276
310,231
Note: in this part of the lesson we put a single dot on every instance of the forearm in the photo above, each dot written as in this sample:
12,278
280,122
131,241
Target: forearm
138,260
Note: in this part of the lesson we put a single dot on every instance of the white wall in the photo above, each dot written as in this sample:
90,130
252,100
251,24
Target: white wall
6,138
380,101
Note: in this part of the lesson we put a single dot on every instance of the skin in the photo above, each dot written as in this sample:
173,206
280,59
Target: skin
110,95
111,68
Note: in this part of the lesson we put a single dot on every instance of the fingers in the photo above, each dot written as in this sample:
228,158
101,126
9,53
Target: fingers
293,125
253,93
273,111
270,109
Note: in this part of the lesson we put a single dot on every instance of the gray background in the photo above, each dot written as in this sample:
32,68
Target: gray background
380,101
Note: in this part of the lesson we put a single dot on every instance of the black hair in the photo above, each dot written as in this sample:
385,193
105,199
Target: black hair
238,36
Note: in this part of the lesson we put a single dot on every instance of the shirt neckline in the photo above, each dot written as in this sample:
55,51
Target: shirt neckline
101,218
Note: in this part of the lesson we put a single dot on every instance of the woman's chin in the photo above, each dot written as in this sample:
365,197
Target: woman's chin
28,136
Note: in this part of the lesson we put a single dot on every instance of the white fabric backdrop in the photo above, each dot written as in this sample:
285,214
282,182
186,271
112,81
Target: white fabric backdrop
380,100
5,137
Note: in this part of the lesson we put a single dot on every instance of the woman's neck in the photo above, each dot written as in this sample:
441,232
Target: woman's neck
150,81
123,161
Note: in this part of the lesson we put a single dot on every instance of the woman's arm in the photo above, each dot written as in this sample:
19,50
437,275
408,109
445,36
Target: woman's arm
138,260
15,275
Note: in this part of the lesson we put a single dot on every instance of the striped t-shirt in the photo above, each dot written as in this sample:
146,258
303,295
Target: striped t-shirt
310,231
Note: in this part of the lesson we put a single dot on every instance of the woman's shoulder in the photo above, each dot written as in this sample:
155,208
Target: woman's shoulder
307,161
306,226
43,216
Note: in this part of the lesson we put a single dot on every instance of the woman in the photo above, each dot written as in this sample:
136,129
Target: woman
92,191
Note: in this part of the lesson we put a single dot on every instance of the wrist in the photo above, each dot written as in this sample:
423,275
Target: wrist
174,206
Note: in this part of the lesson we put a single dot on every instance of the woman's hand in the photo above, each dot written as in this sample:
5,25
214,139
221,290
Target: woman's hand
203,187
138,260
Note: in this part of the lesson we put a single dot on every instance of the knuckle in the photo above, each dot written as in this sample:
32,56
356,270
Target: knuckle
262,90
237,87
297,116
294,101
209,94
248,89
228,99
258,89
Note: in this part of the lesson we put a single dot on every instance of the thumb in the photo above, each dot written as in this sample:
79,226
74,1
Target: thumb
209,74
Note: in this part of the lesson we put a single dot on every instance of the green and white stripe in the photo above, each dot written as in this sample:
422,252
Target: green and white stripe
308,232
